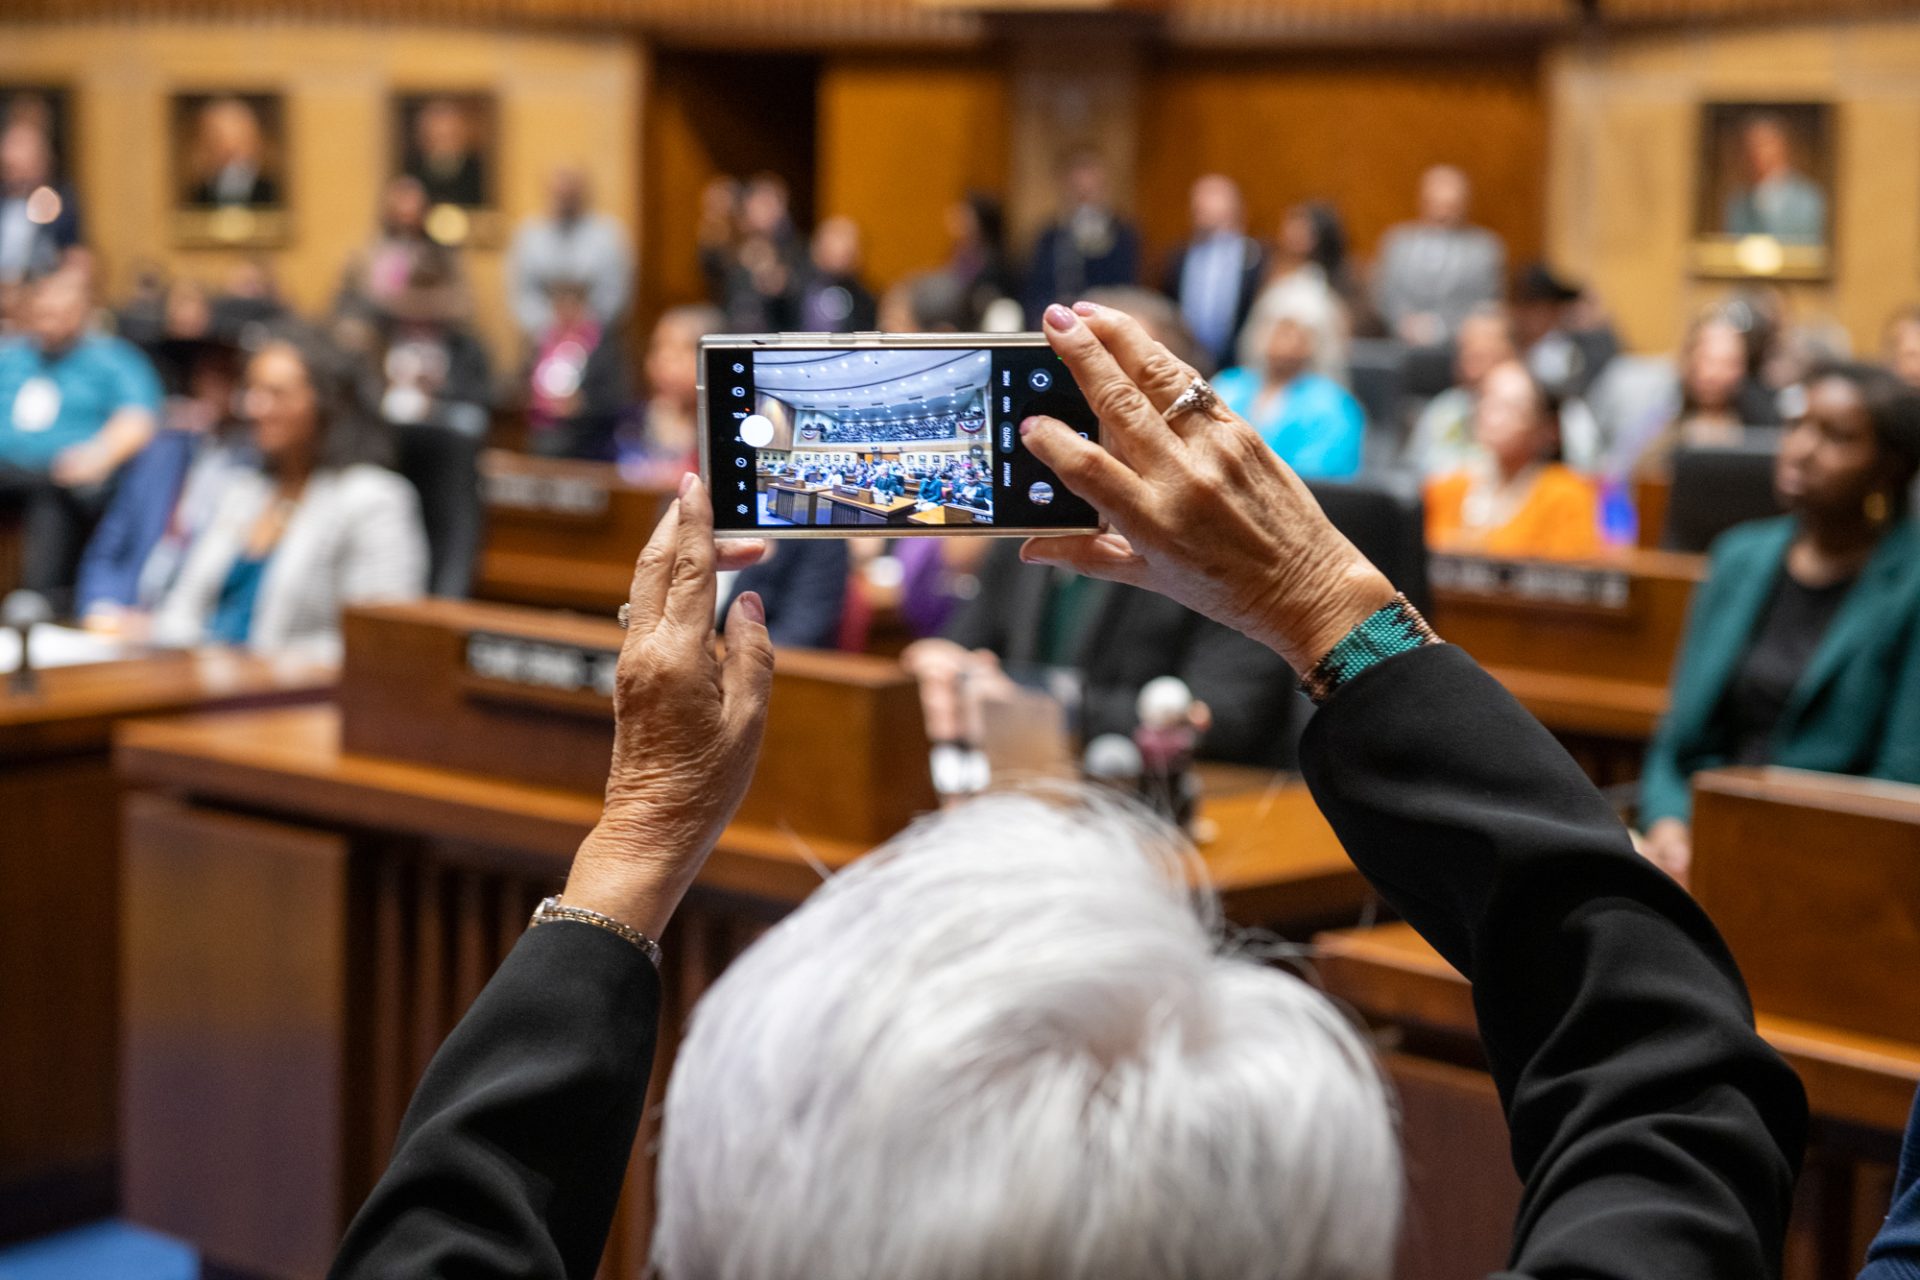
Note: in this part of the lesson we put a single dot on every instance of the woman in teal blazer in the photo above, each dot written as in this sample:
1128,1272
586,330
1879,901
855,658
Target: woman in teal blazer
1803,645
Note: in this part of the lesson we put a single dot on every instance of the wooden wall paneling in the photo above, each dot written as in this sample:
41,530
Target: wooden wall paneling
1357,129
708,114
1625,121
901,139
234,974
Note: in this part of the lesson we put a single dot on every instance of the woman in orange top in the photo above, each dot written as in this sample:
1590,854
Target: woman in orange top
1513,500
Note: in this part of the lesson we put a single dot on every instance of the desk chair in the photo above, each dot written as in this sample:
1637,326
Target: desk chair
1376,366
444,466
1715,488
1385,517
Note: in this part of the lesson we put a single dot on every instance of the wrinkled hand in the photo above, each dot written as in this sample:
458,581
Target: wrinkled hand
1668,845
687,724
1199,508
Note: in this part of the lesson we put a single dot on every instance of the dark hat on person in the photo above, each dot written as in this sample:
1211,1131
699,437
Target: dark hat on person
1538,284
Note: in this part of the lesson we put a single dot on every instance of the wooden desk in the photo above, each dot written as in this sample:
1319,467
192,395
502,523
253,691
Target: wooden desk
1811,879
796,503
1587,647
843,508
59,919
561,533
312,918
949,515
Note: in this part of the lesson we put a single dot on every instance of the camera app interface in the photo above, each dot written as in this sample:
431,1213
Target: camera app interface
917,440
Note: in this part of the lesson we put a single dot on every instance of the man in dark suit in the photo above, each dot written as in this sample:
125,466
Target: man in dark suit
1089,246
1118,638
1215,276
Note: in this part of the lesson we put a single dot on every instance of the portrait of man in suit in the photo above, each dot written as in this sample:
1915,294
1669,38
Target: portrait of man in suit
1766,186
229,150
445,142
1779,200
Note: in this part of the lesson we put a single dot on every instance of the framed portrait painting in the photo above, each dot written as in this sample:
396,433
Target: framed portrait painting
447,141
1766,191
39,213
229,169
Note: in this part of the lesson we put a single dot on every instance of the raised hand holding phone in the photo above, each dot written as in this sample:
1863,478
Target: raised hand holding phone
1197,506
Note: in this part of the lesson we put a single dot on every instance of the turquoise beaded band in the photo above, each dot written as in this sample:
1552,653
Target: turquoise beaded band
1393,629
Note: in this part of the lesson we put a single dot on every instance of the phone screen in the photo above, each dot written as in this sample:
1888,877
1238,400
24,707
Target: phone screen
886,439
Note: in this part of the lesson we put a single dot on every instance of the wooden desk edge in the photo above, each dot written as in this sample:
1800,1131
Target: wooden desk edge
1387,975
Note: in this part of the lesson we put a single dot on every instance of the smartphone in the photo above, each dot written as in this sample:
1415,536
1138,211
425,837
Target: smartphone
886,435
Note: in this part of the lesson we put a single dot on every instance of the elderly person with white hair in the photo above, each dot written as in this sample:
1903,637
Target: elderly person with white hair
1311,421
1010,1044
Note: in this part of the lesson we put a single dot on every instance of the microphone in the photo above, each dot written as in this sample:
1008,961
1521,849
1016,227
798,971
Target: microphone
1112,759
22,611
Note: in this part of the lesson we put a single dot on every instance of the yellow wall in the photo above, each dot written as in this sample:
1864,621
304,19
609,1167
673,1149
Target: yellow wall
562,99
1623,147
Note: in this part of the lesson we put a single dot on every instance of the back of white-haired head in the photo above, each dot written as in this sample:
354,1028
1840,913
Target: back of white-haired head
1008,1046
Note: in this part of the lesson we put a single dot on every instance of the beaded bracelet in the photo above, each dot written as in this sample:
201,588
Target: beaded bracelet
552,909
1394,628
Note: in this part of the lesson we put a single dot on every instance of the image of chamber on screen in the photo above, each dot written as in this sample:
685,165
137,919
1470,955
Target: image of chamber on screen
872,437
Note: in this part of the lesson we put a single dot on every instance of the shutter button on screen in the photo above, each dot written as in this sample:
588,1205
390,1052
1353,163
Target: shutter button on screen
757,430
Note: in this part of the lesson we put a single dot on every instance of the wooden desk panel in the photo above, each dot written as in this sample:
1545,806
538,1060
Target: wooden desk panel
1856,1085
1391,976
1595,673
444,866
59,844
865,511
797,503
1788,862
949,514
561,533
1634,641
1273,857
521,694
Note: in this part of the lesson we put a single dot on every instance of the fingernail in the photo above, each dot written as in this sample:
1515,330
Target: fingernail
687,482
751,606
1027,425
1058,317
1086,308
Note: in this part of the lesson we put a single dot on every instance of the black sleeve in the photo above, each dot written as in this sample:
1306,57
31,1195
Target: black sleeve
510,1159
1657,1134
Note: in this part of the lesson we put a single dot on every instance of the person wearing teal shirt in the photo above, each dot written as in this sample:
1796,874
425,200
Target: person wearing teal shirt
74,406
1311,421
1803,644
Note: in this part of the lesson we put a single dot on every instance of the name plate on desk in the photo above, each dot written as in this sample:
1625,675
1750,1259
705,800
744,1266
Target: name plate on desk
572,496
517,662
1534,581
526,695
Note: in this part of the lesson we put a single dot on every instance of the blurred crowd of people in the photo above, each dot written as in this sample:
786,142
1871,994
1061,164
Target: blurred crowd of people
197,462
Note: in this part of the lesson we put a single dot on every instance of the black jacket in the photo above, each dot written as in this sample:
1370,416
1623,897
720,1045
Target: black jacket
1657,1134
1131,637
